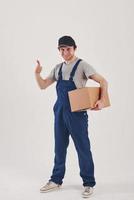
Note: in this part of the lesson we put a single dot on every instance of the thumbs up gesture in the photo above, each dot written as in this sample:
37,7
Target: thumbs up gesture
38,68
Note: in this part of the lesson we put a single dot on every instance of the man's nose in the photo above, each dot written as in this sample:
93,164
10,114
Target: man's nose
65,52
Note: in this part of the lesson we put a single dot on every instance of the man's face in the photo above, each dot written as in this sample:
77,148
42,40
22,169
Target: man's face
67,52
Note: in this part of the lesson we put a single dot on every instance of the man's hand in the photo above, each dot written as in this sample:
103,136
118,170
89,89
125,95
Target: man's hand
38,67
98,105
104,85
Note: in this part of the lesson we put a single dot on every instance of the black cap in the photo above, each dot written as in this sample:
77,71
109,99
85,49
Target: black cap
66,41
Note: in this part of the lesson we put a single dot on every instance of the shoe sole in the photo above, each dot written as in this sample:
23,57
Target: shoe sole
52,189
84,196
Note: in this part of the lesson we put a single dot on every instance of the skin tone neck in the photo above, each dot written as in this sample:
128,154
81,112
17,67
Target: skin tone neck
68,54
70,60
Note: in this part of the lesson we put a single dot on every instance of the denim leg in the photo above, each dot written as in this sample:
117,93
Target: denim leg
61,144
78,128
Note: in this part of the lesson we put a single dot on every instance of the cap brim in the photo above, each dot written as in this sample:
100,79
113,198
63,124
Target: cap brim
64,45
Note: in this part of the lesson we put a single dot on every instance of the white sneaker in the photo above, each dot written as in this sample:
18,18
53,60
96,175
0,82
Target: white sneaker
49,187
88,191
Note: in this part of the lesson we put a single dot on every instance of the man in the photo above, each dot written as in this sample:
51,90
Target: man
71,74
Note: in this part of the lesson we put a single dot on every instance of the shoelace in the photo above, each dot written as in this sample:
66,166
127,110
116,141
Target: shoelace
49,183
87,189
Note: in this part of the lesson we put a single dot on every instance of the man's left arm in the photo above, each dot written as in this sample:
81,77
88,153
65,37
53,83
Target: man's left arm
104,89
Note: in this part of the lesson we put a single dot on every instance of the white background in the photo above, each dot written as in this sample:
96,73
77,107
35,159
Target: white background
104,33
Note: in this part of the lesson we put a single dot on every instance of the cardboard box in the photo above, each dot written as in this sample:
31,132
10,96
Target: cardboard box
85,98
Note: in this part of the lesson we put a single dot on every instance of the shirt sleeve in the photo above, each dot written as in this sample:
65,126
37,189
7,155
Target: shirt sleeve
88,69
52,74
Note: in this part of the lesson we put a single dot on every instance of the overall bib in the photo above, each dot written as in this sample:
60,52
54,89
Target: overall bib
71,123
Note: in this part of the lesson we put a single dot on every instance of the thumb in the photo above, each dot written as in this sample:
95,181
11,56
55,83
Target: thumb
38,62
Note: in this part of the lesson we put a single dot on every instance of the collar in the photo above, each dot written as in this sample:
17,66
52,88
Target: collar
67,63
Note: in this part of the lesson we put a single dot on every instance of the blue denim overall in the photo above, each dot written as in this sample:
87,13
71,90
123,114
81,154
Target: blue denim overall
74,124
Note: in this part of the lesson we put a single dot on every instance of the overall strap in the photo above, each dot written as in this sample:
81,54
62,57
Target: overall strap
60,72
74,69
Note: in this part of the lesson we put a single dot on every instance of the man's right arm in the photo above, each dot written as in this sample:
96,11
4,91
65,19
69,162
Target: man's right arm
42,83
